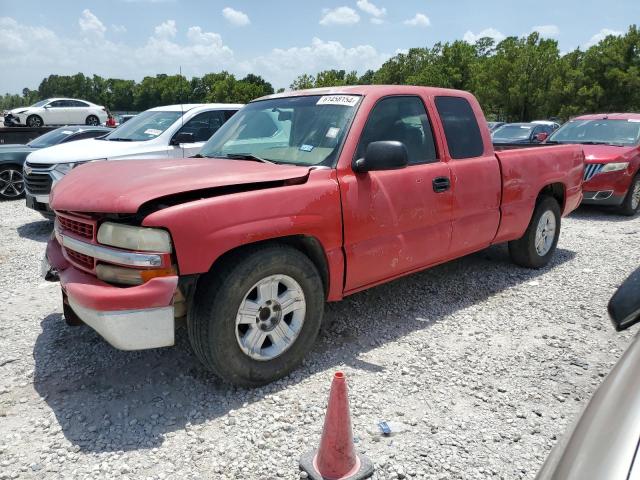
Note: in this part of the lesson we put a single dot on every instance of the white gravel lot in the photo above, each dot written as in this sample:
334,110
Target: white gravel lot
478,364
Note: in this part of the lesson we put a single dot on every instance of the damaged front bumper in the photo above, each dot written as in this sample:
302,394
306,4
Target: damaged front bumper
129,318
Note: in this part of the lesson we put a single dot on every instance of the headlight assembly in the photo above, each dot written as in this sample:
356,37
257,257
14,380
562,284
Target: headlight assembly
614,167
142,239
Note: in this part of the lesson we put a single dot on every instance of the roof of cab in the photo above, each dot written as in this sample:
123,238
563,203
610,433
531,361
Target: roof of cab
190,106
367,89
609,116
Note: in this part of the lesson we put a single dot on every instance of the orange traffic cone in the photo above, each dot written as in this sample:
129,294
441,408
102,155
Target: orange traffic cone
337,459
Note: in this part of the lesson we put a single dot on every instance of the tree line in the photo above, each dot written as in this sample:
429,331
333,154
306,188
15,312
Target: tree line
516,79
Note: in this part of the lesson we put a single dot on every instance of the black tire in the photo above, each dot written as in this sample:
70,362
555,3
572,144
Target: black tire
34,121
630,204
92,120
211,320
11,182
523,251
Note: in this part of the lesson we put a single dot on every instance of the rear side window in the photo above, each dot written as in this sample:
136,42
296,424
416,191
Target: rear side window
460,127
403,119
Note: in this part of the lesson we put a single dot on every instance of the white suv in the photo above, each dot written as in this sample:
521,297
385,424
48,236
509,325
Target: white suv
159,133
57,111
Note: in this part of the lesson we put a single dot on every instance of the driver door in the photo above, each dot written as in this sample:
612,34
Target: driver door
396,221
55,113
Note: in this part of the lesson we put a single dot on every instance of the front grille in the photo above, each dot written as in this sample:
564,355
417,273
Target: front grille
591,169
80,228
80,259
38,183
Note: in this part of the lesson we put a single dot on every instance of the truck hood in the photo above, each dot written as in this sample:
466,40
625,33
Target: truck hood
607,153
91,149
122,187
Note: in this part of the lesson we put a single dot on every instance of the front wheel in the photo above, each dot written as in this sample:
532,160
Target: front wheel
253,319
631,201
34,121
536,247
11,182
92,120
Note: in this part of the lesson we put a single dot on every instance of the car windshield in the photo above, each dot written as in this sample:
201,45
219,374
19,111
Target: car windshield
603,131
512,132
41,103
305,130
53,137
145,126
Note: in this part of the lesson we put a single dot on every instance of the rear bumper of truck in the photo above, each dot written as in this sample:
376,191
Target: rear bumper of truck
129,318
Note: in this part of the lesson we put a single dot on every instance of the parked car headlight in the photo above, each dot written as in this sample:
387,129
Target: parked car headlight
64,168
614,167
142,239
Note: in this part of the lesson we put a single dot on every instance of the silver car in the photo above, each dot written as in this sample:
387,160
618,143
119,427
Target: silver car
604,442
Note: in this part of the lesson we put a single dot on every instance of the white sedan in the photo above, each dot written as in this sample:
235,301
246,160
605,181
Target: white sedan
57,111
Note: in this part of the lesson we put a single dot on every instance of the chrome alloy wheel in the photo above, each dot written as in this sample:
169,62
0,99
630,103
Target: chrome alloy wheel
270,317
11,183
635,195
545,233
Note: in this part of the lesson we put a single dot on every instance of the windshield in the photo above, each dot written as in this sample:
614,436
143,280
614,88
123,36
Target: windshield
41,103
306,130
608,132
53,137
144,126
512,132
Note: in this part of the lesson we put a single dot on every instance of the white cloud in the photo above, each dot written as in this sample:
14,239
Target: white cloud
376,21
118,28
32,53
235,17
471,37
371,9
166,29
91,24
419,20
601,35
339,16
547,31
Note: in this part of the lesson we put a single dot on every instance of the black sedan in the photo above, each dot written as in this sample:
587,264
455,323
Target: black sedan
12,157
521,133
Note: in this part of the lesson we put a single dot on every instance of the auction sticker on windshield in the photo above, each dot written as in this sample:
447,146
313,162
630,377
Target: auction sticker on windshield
152,131
345,100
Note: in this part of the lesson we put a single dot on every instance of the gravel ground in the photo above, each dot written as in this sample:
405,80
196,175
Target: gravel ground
478,365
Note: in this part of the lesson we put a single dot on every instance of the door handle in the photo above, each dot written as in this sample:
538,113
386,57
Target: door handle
441,184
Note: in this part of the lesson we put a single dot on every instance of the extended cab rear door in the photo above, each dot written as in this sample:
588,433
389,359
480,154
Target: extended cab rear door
396,221
476,179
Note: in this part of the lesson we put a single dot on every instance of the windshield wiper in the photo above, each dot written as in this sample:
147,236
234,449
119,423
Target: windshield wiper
603,143
247,156
197,155
119,139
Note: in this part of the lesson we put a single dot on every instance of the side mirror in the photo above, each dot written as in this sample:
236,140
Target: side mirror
624,306
383,155
183,137
542,136
47,106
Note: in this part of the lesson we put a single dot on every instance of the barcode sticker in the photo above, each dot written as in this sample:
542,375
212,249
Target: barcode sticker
344,100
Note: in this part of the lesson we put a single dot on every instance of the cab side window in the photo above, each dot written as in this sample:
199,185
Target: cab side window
460,127
403,119
204,124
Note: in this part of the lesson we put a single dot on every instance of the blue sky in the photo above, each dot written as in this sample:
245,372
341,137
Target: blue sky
278,39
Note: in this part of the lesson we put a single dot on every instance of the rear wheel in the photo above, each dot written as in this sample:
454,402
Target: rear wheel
92,120
631,201
253,319
536,247
11,182
34,121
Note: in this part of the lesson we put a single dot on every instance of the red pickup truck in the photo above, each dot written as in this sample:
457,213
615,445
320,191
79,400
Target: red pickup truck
300,198
611,144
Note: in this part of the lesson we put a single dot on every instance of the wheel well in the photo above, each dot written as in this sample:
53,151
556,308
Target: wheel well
555,190
310,246
8,164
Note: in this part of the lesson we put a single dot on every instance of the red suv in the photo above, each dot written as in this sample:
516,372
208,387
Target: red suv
611,144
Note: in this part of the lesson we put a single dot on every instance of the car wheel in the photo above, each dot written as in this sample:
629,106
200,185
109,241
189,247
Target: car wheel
631,201
92,120
34,121
536,247
255,316
11,182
